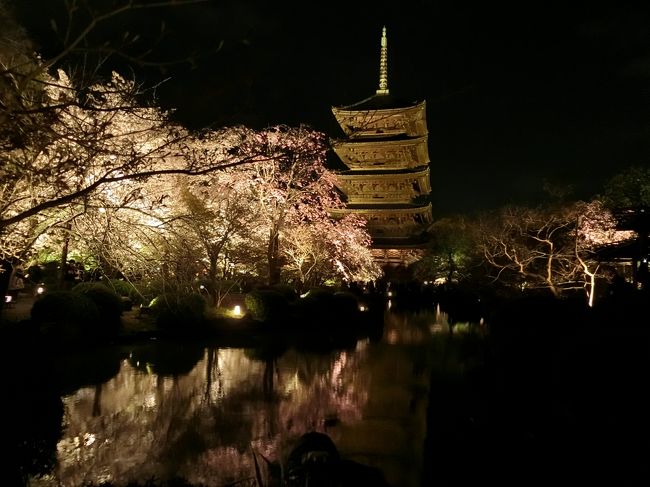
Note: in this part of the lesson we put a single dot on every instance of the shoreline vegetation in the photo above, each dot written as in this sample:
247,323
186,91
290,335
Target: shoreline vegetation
93,314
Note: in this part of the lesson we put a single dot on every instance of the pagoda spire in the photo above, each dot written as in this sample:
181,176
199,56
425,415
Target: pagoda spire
383,64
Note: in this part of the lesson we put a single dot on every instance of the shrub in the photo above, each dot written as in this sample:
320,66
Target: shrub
108,304
154,288
319,300
126,289
288,292
320,293
266,305
178,311
66,317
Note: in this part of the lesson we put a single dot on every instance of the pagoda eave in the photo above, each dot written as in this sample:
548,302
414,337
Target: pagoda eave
410,121
395,154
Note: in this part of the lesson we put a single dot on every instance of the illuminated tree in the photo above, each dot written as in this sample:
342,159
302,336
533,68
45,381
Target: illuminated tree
289,185
61,139
328,249
100,148
451,253
596,227
549,248
121,229
83,161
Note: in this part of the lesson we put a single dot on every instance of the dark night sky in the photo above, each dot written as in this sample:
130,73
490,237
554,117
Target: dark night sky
516,94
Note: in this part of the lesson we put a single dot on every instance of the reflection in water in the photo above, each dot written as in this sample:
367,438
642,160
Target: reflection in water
203,421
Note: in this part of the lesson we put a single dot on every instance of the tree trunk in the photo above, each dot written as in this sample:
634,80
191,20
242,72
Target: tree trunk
212,280
273,255
64,256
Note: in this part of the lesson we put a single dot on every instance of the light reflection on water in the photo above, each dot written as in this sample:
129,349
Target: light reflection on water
204,423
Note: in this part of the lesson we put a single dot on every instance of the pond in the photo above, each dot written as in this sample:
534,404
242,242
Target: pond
210,413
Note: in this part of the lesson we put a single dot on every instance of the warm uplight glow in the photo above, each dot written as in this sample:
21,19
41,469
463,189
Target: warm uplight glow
389,293
40,289
237,310
362,308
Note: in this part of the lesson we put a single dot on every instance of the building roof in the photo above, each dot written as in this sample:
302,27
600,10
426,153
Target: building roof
395,206
418,242
386,173
628,249
382,99
370,139
379,102
633,218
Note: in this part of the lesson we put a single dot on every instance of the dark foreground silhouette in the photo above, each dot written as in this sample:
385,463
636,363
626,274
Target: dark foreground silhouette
314,461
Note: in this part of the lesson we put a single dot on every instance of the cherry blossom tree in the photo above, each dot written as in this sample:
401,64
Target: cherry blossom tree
329,249
103,144
62,138
289,184
82,159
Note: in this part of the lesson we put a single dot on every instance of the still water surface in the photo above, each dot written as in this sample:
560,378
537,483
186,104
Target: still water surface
203,412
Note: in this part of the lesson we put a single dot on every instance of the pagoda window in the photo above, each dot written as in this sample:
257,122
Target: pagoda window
416,187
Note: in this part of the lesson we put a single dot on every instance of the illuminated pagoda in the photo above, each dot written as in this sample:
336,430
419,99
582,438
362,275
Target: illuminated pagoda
387,176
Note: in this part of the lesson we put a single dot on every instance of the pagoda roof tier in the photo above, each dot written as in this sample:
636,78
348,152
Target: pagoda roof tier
347,172
389,207
419,242
402,187
361,120
394,154
379,102
397,254
392,221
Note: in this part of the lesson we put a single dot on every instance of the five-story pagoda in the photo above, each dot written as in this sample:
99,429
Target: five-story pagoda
387,176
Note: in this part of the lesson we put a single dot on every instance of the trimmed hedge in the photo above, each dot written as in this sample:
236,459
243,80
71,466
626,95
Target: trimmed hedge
266,305
289,293
126,289
178,312
66,317
108,303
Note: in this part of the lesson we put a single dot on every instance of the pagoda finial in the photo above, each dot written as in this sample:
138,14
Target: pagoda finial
383,64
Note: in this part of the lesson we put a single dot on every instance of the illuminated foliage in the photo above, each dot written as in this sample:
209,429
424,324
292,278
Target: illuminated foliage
328,249
451,253
63,138
91,168
291,191
550,248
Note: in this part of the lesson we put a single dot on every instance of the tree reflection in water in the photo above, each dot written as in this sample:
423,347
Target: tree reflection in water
204,424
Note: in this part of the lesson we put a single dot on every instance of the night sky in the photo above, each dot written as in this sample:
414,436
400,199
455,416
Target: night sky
517,95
